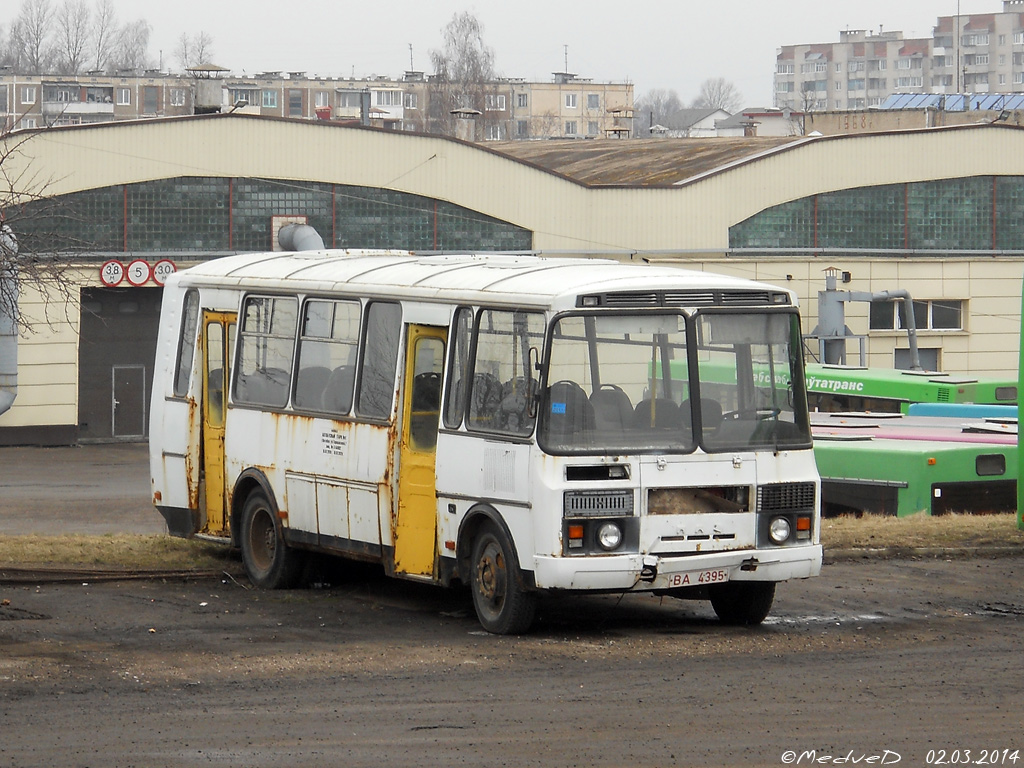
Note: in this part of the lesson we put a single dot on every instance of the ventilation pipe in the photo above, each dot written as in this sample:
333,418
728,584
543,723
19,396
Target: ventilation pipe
832,329
299,237
8,311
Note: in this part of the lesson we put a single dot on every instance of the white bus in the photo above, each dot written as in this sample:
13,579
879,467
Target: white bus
512,422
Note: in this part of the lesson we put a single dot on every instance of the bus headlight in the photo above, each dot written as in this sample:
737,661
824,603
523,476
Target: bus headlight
609,536
779,530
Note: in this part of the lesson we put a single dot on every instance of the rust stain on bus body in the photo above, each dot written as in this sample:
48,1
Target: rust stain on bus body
393,439
191,460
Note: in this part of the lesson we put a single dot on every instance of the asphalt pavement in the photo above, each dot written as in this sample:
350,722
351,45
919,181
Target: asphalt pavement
85,489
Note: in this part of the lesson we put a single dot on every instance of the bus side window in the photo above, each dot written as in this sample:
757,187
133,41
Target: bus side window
380,356
327,353
458,368
502,354
267,339
187,344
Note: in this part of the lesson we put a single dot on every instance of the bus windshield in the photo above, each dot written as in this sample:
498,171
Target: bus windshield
667,382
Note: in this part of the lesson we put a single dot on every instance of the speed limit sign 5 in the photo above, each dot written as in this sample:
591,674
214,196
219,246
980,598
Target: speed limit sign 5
138,272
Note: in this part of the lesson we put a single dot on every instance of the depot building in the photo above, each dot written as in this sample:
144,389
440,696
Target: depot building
938,212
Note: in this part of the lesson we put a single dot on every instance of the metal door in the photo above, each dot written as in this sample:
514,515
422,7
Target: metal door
128,401
416,523
217,340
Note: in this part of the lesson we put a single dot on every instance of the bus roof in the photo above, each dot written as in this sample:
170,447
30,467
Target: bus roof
523,279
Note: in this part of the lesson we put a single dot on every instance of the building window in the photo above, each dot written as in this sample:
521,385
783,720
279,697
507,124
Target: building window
323,99
932,315
124,96
28,95
522,128
570,101
150,99
593,101
784,69
1018,38
295,102
389,98
522,100
494,132
978,39
348,99
570,127
494,101
270,99
855,85
412,101
248,95
592,128
177,97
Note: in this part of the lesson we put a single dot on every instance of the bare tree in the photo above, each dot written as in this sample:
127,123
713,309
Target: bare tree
463,72
72,32
196,50
27,207
29,36
653,108
718,93
132,50
104,32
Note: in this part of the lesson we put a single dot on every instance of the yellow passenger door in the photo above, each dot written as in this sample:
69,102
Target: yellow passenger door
217,339
416,524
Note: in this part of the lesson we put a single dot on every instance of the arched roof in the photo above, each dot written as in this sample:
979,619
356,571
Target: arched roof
564,211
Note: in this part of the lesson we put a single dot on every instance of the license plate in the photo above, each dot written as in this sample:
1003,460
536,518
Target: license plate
697,578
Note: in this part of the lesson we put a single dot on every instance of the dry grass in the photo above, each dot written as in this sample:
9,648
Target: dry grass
129,552
921,531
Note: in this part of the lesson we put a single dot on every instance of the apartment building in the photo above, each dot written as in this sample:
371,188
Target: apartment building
857,72
36,101
567,106
968,53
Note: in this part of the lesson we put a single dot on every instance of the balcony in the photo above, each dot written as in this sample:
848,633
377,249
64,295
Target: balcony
77,108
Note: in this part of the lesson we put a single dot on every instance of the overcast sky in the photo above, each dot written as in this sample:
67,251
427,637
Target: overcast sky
659,44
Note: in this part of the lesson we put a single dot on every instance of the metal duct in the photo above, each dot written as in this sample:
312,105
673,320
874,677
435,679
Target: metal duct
8,311
299,237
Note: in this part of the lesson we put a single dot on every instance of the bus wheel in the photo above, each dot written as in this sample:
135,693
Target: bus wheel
742,603
269,562
502,604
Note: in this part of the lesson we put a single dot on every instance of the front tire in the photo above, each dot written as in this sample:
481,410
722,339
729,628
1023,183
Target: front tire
269,562
742,603
502,603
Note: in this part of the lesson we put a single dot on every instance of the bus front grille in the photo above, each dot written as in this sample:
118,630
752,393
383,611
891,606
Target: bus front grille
778,497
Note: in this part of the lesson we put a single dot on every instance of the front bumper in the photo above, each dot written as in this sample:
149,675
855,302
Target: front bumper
651,572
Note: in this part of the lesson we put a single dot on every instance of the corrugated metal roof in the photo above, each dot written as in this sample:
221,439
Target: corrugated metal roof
637,162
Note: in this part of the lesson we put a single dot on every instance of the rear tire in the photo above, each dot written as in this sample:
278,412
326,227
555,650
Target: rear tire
502,603
742,603
269,562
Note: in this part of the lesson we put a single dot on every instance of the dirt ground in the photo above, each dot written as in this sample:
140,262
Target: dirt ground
873,659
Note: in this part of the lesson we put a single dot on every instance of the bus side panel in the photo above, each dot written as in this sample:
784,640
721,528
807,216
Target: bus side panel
331,478
472,469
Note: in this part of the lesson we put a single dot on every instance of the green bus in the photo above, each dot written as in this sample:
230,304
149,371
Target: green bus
883,390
